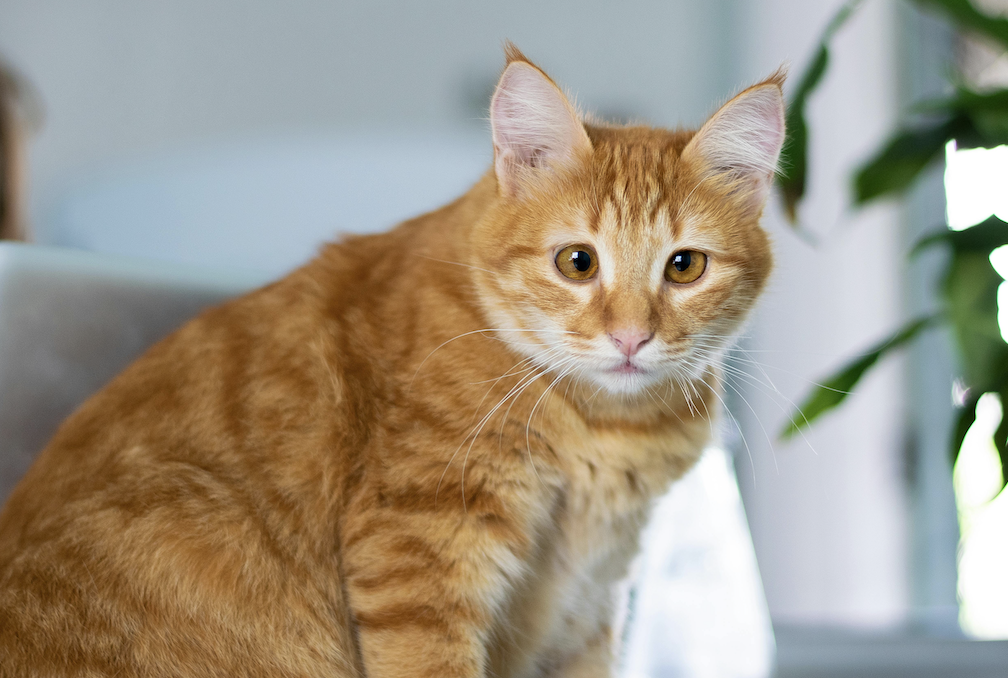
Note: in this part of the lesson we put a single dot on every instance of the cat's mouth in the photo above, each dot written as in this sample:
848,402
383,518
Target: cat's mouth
627,368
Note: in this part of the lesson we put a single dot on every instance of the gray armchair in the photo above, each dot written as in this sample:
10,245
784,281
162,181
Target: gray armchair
69,321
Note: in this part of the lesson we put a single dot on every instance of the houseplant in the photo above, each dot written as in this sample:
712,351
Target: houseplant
971,119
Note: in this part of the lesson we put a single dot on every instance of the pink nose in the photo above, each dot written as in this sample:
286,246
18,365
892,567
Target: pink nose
630,340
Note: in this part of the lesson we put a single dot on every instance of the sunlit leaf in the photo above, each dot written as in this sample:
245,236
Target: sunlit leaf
970,288
964,14
836,388
965,419
1001,439
794,155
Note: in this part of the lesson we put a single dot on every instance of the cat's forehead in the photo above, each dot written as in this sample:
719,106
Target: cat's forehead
634,169
636,149
633,187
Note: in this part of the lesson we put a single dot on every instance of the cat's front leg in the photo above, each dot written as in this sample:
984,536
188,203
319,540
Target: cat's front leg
425,590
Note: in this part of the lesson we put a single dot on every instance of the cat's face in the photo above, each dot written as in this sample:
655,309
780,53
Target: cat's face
630,257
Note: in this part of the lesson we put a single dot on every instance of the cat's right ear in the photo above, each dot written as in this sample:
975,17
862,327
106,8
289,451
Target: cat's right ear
534,126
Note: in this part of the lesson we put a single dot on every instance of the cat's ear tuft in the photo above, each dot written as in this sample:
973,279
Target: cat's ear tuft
534,125
742,141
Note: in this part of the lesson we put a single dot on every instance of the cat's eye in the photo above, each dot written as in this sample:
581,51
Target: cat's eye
577,262
685,266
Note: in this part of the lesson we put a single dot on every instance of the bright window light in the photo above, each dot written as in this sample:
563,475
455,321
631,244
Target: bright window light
983,525
976,187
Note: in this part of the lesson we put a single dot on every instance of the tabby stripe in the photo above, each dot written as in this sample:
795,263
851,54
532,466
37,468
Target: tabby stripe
426,616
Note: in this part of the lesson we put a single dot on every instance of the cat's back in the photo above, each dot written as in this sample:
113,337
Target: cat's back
162,516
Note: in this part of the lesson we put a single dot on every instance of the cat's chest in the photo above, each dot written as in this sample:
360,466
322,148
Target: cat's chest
566,602
597,540
611,477
609,485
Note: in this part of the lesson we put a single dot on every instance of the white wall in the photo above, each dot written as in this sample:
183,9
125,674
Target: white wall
122,78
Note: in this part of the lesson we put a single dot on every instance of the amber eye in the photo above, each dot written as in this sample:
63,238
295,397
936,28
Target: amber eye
577,262
685,266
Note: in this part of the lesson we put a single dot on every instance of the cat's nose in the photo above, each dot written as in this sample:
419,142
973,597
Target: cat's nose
629,340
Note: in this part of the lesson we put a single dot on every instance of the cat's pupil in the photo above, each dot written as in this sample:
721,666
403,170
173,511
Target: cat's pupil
681,261
581,260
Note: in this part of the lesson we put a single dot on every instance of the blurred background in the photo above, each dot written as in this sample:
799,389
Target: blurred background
244,134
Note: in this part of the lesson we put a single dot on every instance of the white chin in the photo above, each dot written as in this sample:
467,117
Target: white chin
621,383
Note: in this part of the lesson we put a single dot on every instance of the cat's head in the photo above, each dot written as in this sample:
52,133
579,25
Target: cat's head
627,255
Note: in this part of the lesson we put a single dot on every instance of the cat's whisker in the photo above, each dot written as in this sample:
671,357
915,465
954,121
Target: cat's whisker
547,368
594,394
738,427
763,366
437,491
732,372
498,379
707,412
528,425
531,460
767,384
529,361
772,390
773,453
573,382
474,435
694,364
656,398
510,372
676,381
458,263
471,332
685,392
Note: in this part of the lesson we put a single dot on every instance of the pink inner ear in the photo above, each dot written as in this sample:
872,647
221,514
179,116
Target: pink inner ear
746,135
533,124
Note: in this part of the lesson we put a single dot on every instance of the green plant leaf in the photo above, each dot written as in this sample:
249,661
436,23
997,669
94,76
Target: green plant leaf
903,158
794,155
965,15
988,113
973,119
836,388
983,116
970,289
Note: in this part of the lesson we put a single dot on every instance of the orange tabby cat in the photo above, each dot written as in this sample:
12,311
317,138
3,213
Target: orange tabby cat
427,452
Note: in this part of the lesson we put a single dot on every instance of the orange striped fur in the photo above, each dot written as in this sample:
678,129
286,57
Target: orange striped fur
421,454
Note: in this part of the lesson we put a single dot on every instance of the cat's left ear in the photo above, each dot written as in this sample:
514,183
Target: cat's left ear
534,125
742,141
